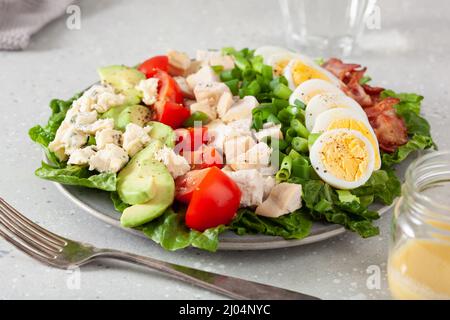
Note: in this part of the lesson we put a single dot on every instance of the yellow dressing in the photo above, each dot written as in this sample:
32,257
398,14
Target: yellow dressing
360,126
345,156
302,72
420,269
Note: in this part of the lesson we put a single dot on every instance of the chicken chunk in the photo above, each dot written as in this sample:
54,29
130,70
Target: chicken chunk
224,104
184,87
176,164
257,156
241,109
215,58
269,130
210,92
251,184
206,75
204,107
135,138
179,63
283,199
236,147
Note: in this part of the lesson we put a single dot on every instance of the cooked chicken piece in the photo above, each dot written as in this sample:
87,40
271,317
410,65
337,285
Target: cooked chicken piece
206,75
210,92
185,89
179,63
269,184
251,184
236,147
204,107
217,134
215,58
283,199
269,130
224,104
241,109
257,156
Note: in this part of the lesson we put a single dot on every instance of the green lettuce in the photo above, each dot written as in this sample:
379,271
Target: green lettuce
43,135
170,231
119,205
77,176
383,185
296,225
418,128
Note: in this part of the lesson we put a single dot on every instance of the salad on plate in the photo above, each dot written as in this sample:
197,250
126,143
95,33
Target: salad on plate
263,141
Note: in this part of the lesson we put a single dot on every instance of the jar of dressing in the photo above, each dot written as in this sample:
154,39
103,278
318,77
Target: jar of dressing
419,255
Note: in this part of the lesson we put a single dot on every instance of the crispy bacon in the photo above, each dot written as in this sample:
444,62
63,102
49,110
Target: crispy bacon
388,126
350,74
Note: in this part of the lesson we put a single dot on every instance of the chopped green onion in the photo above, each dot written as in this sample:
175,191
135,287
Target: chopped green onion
226,75
217,69
285,116
300,104
290,135
285,170
319,61
197,116
273,118
233,85
300,144
277,143
280,103
257,122
228,51
241,62
299,169
294,155
253,88
282,91
91,141
248,74
364,80
257,63
267,72
299,128
312,138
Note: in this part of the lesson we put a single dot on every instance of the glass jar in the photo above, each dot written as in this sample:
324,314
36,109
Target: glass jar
419,255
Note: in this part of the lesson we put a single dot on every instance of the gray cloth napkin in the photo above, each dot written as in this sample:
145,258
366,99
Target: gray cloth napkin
20,19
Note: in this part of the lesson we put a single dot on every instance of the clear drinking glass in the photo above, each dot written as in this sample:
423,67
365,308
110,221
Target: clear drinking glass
324,27
419,255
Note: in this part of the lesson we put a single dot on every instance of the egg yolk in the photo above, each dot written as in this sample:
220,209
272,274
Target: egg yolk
279,66
360,126
302,72
345,157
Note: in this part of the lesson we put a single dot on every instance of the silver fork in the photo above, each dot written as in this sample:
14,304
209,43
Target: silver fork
63,253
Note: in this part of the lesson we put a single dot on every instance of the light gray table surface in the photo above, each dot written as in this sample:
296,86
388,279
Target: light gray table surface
410,52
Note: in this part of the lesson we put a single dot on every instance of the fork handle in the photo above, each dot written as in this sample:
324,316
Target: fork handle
229,286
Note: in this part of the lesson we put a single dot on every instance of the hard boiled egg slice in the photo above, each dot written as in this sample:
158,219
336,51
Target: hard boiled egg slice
342,158
348,119
276,57
326,101
302,68
310,88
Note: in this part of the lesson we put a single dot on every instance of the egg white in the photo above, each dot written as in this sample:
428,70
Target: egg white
310,63
327,176
308,89
326,101
324,120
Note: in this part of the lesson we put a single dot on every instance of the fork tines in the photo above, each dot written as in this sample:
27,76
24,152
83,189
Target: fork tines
27,235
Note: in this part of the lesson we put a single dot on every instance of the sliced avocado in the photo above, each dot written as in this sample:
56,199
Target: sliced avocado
164,185
136,114
163,133
124,79
113,113
135,182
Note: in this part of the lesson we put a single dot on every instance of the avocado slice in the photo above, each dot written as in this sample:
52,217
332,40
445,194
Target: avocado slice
164,185
136,114
124,79
162,132
123,115
135,182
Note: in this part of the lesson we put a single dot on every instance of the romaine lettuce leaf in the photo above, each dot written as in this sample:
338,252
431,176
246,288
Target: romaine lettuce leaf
296,225
418,127
78,176
119,205
170,231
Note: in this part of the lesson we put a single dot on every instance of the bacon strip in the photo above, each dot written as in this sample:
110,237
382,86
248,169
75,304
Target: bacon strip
390,129
388,126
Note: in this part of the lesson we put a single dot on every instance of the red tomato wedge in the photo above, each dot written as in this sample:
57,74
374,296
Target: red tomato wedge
150,66
191,139
210,157
171,113
168,88
186,184
213,202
